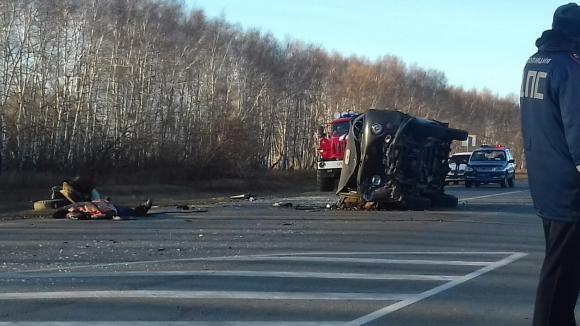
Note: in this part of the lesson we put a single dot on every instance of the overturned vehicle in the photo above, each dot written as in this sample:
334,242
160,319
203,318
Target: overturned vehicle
394,160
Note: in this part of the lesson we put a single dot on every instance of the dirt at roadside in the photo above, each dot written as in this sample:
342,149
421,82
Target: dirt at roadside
16,202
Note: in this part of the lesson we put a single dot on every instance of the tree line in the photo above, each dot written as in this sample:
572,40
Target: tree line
131,85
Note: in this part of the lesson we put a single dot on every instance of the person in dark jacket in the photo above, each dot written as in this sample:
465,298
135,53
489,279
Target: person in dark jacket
550,113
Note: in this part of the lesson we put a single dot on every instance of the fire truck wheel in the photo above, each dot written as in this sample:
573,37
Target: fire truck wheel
325,183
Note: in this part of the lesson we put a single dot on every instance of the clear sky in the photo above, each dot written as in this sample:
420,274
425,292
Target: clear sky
476,43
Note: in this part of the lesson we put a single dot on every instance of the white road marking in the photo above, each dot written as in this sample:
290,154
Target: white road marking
169,323
356,260
219,258
493,195
342,276
399,305
247,295
403,300
130,263
427,253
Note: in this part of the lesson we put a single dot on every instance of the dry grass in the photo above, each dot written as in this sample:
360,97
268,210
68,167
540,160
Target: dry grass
522,175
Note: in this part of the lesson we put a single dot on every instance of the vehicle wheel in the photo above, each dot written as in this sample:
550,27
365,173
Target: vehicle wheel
444,200
49,204
477,184
512,181
324,183
416,203
457,134
504,182
467,184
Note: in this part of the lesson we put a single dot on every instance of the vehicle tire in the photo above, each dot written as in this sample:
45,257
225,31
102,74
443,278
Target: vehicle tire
512,182
467,184
49,204
324,183
444,200
417,203
438,131
504,182
477,184
457,134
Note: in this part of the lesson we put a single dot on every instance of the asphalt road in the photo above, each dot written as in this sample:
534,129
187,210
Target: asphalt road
254,264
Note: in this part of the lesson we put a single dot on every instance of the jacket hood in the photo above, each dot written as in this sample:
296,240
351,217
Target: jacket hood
554,40
567,19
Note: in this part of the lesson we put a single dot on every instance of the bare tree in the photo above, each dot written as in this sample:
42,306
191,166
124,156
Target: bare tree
143,85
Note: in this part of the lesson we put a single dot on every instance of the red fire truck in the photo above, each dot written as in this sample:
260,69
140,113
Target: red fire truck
331,151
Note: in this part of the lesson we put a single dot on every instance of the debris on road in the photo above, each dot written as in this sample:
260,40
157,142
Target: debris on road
305,207
48,204
187,209
308,208
190,211
248,196
282,204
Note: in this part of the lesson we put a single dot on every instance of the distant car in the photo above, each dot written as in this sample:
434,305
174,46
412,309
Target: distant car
457,164
491,165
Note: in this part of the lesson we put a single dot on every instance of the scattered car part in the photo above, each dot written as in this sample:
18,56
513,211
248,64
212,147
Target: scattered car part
248,196
49,204
282,204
